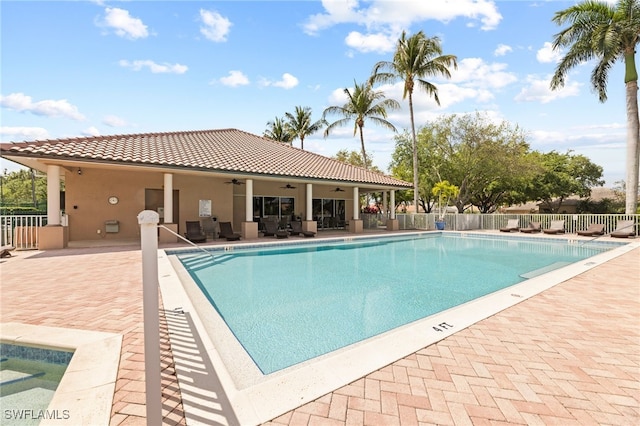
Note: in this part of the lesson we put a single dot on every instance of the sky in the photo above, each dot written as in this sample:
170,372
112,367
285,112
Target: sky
81,68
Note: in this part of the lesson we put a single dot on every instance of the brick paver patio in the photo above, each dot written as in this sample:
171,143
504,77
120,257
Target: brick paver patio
570,355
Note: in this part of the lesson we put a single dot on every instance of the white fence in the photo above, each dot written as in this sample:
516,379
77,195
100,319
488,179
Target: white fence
462,222
21,231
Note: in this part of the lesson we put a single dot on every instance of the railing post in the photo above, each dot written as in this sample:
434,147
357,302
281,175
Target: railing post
148,221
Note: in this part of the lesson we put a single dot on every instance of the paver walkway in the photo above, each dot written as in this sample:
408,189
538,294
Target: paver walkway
570,355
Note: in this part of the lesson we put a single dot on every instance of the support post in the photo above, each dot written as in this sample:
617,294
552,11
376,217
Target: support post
148,221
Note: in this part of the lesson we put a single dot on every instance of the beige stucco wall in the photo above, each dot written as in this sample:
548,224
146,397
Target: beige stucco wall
87,206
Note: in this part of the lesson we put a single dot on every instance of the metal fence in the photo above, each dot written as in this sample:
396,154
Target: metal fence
462,222
21,231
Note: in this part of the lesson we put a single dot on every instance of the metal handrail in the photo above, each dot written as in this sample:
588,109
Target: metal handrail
186,240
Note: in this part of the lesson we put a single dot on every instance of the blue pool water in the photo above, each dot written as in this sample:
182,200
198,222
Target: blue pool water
286,305
29,377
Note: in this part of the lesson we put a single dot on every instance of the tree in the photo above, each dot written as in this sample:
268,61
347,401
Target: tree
300,125
362,104
355,159
486,160
415,58
446,190
563,175
277,130
606,33
23,188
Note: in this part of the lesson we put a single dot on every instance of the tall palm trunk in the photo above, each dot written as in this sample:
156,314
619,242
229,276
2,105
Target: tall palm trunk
633,155
415,153
364,153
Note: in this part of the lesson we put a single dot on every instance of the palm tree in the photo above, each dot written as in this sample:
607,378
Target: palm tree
415,58
361,104
300,126
277,130
605,33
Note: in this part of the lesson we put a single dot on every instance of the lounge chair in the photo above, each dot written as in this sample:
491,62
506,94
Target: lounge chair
533,227
296,229
271,229
194,232
512,225
624,229
5,251
556,227
226,231
592,230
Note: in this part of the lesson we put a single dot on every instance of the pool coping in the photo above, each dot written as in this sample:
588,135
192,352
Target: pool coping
85,392
256,398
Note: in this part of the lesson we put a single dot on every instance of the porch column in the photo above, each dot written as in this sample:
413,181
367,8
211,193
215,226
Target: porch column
356,203
53,195
309,201
53,236
249,227
165,236
168,198
392,222
248,207
384,204
355,224
392,203
309,224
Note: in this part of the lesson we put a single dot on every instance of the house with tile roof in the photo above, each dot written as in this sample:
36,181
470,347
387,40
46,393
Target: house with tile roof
229,174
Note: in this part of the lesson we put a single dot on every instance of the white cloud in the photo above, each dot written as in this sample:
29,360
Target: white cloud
235,79
124,24
91,131
114,121
216,27
478,73
380,43
16,134
547,54
154,67
401,13
49,108
288,81
502,50
538,90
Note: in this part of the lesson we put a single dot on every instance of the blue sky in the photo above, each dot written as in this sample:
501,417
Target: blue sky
74,68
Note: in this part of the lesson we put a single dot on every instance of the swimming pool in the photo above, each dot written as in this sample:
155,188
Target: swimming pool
29,377
257,397
287,305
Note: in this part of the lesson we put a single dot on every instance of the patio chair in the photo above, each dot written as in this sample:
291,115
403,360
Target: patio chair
296,229
533,227
624,229
270,228
194,232
226,231
556,227
592,230
512,225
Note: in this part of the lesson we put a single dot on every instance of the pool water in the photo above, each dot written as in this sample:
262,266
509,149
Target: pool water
29,378
286,305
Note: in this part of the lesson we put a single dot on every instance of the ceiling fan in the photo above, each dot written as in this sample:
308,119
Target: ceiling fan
235,182
288,186
338,189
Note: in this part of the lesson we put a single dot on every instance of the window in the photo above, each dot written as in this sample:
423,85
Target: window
276,207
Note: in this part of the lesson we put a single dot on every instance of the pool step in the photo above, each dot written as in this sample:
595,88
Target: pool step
8,377
544,270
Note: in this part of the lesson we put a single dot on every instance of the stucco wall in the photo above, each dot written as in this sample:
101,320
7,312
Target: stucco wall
87,206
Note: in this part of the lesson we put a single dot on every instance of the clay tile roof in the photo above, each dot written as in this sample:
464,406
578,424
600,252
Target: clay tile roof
224,150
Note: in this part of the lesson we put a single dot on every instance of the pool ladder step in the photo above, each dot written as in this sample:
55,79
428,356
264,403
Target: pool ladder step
544,270
24,378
